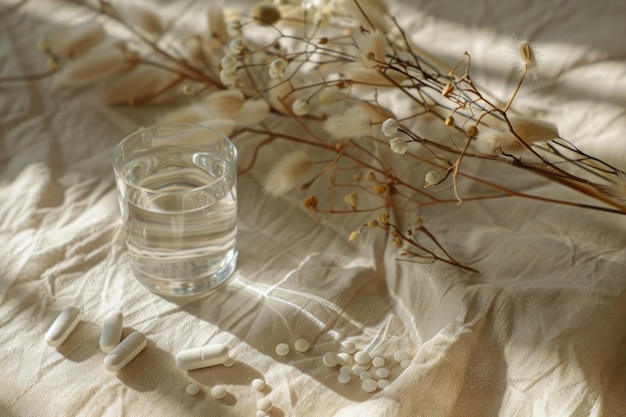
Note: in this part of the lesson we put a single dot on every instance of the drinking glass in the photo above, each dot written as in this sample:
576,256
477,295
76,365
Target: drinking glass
177,189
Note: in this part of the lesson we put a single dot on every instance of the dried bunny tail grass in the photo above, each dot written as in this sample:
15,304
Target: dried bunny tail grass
252,112
617,187
96,64
142,15
503,141
372,48
352,124
357,74
225,103
193,113
371,14
217,23
287,173
141,82
76,40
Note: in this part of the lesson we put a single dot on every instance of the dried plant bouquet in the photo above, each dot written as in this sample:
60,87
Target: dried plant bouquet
349,82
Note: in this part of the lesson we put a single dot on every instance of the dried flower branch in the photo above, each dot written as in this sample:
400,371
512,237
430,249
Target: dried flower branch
329,67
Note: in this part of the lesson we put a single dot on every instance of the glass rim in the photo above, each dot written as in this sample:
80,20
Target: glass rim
156,126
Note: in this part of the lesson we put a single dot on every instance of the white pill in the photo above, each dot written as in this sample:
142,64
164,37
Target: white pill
344,359
346,370
202,357
125,351
400,355
362,357
405,363
358,370
330,359
302,345
365,375
378,362
369,385
348,346
382,372
63,325
111,331
282,349
193,389
264,404
218,392
229,362
382,383
343,378
258,384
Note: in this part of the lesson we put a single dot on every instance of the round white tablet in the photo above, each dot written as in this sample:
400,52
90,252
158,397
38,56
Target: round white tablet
344,359
365,375
382,383
264,404
301,345
382,372
258,384
400,355
343,378
378,362
346,370
348,346
193,389
362,357
282,349
218,392
369,385
405,363
330,359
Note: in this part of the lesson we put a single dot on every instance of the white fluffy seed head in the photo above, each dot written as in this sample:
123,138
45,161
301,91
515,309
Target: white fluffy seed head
502,141
526,55
252,112
287,173
372,47
225,103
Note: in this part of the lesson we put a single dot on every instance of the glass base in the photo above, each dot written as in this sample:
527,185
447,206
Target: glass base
192,287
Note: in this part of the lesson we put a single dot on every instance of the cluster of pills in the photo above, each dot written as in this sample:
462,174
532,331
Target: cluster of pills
372,371
119,352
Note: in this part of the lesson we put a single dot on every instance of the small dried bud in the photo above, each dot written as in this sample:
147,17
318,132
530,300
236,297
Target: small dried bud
472,132
390,127
311,202
352,200
228,78
372,224
419,222
380,189
236,46
432,178
277,69
265,13
370,176
323,41
383,218
398,145
234,28
52,63
300,107
449,121
357,177
397,242
354,236
447,90
229,63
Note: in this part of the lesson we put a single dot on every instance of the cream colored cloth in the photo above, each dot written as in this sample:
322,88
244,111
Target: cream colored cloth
538,332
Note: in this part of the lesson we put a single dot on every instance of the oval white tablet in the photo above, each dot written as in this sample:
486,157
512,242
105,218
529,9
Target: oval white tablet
111,331
63,325
202,357
125,351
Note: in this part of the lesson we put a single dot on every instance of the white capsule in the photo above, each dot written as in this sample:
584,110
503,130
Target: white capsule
63,325
302,345
362,357
382,372
202,357
111,331
218,392
193,389
378,362
282,349
348,346
125,351
330,359
258,384
369,385
343,378
264,404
